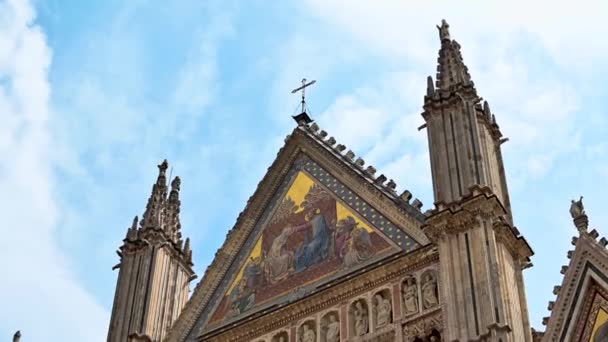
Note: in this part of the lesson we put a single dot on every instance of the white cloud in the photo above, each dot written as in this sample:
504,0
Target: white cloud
38,293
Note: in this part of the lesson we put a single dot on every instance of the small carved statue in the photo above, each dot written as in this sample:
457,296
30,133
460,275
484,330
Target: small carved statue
429,292
308,334
383,311
410,296
361,319
332,334
577,209
444,30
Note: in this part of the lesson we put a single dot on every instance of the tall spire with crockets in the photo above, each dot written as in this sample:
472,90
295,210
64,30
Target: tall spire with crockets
471,224
451,70
155,268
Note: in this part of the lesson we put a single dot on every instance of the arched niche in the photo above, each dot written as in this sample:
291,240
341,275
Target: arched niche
409,296
382,309
358,318
307,331
429,290
282,336
330,327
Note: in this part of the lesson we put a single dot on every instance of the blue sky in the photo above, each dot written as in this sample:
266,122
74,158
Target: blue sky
94,94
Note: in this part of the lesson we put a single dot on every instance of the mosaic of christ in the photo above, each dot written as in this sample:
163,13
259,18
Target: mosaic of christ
310,235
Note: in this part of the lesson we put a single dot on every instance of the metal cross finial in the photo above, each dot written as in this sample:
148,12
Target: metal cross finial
303,89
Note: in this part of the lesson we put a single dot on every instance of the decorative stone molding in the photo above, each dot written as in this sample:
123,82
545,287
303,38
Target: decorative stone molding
423,326
359,286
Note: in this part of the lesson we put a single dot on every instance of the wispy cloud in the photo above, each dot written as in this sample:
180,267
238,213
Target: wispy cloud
40,295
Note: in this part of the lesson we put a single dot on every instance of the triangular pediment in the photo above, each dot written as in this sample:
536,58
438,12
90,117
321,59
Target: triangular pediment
313,219
580,312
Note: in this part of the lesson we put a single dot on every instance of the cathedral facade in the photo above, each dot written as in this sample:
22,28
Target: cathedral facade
326,250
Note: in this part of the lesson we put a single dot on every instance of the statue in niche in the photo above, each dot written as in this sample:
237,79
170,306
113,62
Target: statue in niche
308,334
429,291
383,310
361,319
332,332
410,296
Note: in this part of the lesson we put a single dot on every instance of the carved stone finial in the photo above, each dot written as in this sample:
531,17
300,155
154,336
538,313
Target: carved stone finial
370,170
340,148
603,242
314,127
17,336
331,141
135,221
556,289
564,269
381,179
322,134
430,87
577,211
444,30
594,234
391,185
406,195
360,162
162,168
175,183
486,109
417,204
350,155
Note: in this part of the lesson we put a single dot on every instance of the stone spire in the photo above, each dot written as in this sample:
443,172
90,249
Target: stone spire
145,306
471,223
451,71
172,224
17,336
152,217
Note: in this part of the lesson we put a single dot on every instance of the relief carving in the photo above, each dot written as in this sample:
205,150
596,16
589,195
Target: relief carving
281,337
423,330
429,290
360,318
383,309
410,296
307,332
330,328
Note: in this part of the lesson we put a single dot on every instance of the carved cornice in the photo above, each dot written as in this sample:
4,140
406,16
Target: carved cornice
402,214
468,213
350,287
157,238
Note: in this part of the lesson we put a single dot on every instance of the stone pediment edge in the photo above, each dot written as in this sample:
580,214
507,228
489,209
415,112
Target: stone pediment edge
396,209
588,253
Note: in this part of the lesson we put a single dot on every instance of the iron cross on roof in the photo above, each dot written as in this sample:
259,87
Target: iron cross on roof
303,117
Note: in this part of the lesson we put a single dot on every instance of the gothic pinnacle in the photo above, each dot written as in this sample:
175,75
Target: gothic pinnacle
172,223
152,217
451,71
